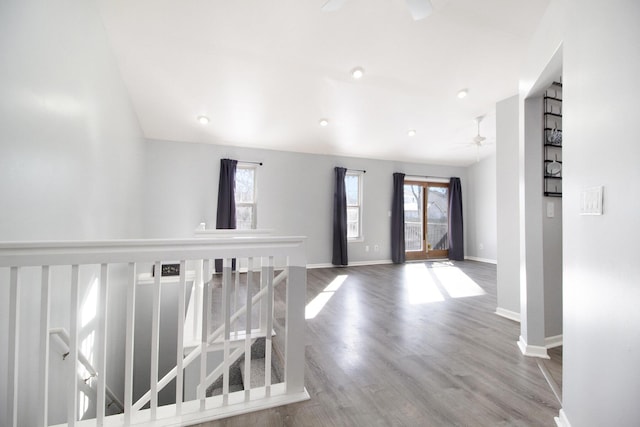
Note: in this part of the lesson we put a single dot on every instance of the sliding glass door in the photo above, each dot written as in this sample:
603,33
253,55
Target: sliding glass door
426,219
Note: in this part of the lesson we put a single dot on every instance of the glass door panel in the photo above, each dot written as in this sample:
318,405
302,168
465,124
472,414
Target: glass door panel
438,220
414,220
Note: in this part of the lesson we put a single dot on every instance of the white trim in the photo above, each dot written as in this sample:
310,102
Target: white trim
372,262
212,232
475,258
427,179
532,350
562,420
554,341
351,264
508,314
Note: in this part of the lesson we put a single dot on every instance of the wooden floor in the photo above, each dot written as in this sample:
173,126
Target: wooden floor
413,345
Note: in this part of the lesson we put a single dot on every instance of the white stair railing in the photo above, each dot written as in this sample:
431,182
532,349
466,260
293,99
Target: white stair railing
63,336
213,338
76,258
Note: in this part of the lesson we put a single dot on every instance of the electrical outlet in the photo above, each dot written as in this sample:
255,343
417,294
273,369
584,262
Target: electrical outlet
366,248
376,248
480,246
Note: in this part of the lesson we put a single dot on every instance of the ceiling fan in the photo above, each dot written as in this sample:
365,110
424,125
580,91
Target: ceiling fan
478,140
419,9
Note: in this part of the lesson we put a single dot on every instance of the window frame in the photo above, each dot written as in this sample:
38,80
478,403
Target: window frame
360,175
254,204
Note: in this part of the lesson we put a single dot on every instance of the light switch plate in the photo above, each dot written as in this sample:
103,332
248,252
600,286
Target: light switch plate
550,210
591,201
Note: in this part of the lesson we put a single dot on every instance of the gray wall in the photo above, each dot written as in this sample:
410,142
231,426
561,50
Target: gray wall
531,230
295,194
481,210
508,270
71,150
601,65
552,262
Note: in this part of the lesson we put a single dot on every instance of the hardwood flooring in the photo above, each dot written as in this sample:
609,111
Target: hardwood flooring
413,345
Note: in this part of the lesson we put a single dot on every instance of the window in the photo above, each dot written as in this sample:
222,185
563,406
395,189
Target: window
353,185
245,194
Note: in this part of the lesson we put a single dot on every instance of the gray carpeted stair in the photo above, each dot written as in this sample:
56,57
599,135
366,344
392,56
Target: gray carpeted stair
236,371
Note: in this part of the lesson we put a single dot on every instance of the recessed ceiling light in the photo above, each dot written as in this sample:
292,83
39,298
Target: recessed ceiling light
203,120
357,73
462,93
411,132
324,122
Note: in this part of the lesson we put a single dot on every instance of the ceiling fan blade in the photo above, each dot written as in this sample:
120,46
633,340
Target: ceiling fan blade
332,5
479,139
419,9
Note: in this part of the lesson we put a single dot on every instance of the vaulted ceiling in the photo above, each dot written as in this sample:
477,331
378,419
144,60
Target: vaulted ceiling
266,71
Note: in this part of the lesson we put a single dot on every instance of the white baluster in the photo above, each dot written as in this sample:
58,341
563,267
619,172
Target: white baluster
72,390
129,344
155,340
180,346
247,338
206,309
226,303
45,307
101,345
14,353
268,277
236,292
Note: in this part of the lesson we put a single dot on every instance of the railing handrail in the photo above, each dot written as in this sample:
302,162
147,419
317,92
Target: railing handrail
66,339
35,253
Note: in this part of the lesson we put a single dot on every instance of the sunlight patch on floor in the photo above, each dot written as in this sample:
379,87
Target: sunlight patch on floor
437,281
420,286
317,304
457,283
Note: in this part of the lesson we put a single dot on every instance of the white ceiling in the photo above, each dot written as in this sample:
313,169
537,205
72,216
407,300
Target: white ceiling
266,71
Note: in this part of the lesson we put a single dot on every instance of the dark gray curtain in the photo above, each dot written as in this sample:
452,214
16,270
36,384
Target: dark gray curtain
226,215
340,219
397,220
456,238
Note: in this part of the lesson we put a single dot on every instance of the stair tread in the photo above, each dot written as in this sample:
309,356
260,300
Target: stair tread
258,373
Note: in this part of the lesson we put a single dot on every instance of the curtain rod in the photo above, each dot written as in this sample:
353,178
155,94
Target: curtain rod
251,163
358,170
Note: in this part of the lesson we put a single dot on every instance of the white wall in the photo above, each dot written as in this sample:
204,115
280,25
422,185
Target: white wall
508,270
481,210
71,149
601,268
601,65
295,194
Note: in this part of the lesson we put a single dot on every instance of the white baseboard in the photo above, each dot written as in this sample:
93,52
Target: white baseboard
555,341
508,314
487,260
351,264
532,350
375,262
562,420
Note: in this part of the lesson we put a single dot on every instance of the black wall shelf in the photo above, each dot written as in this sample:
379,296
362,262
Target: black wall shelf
552,141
